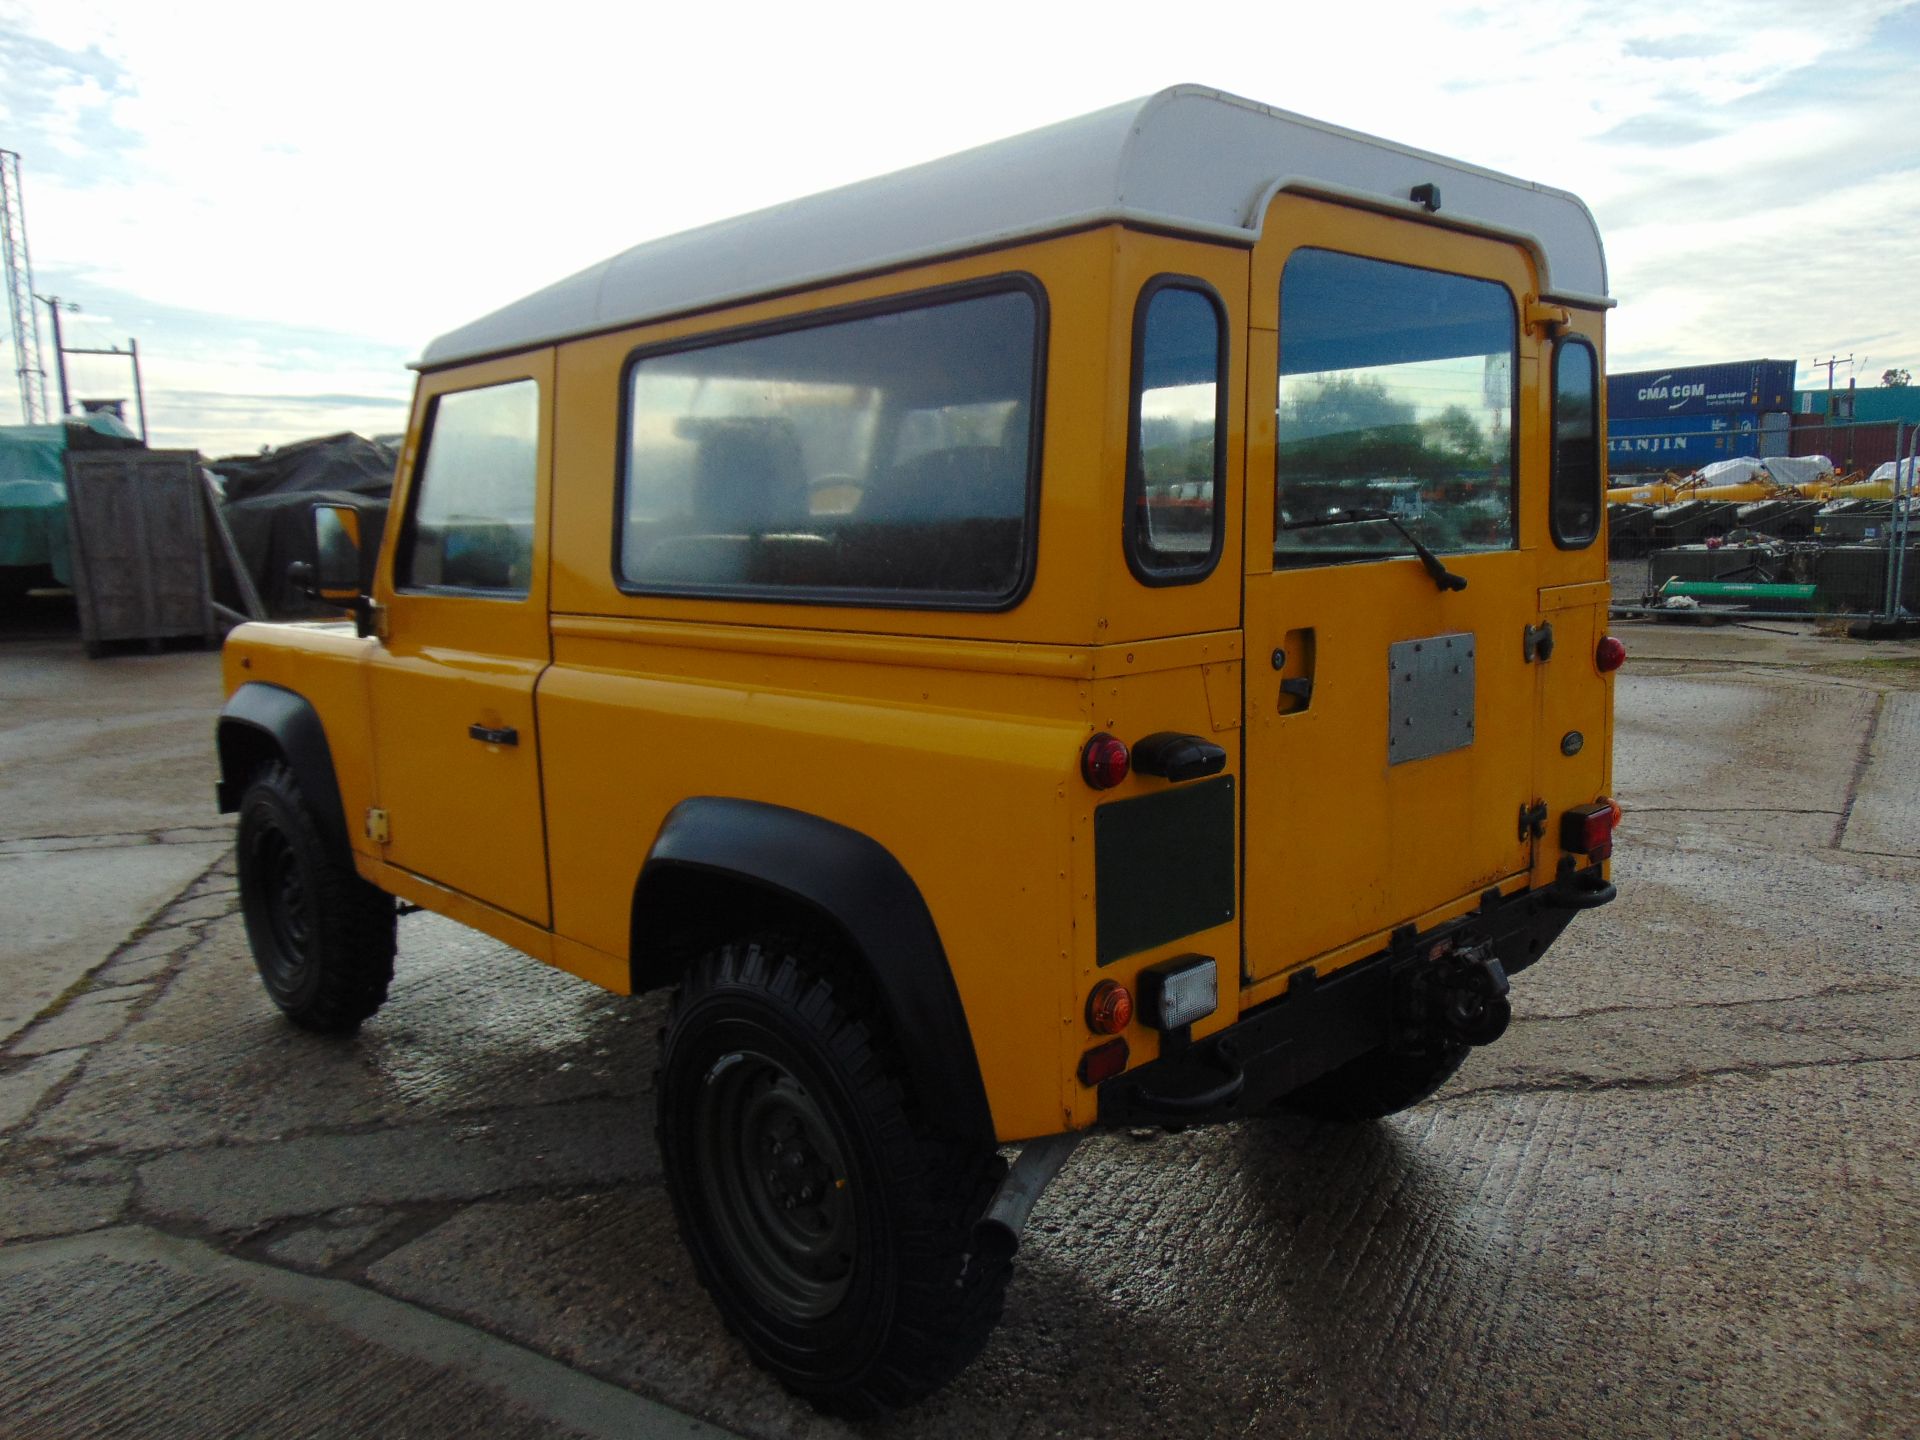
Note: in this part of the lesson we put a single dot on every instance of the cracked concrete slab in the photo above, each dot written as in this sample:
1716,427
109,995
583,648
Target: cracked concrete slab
601,1282
23,1087
139,728
64,912
331,1240
302,1355
239,1187
1884,817
1734,741
469,1027
1656,1049
1574,1264
42,1202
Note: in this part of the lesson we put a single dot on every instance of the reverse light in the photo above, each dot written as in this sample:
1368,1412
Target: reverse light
1589,829
1109,1008
1103,1062
1177,992
1104,761
1609,655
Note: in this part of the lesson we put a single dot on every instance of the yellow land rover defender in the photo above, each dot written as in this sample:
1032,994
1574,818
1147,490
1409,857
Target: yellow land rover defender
1102,629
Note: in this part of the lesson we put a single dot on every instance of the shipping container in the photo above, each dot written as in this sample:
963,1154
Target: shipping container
1751,386
1851,447
1640,446
1878,404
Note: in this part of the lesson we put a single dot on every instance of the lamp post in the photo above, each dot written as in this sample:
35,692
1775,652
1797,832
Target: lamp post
55,304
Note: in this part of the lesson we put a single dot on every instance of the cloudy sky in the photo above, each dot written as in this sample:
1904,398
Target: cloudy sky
284,202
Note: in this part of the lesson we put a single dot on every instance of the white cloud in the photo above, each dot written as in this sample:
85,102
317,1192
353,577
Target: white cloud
387,171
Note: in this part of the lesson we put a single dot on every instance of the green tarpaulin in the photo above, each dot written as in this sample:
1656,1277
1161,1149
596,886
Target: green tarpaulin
33,492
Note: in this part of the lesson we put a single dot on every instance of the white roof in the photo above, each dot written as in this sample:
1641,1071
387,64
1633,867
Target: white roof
1189,159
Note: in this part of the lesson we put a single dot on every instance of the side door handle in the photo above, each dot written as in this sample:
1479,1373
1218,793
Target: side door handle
489,735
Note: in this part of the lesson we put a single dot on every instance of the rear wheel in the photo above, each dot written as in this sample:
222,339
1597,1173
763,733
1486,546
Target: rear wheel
1375,1085
831,1225
322,938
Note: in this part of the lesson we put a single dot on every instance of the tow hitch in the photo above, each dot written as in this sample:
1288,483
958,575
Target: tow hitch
1459,998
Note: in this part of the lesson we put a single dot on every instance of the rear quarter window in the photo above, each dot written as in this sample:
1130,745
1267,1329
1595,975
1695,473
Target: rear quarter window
1176,446
882,456
1574,504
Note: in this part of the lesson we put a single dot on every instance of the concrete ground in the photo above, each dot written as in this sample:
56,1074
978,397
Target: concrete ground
1679,1196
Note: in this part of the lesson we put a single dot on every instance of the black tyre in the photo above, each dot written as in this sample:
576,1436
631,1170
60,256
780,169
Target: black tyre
830,1225
1374,1085
322,937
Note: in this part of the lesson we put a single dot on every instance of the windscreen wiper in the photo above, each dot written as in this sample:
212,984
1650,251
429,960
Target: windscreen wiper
1443,578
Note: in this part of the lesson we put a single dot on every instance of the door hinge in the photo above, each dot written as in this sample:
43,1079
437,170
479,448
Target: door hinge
1537,642
1533,820
1546,317
378,829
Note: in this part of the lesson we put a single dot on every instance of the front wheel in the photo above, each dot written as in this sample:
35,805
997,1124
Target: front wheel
831,1225
322,938
1375,1085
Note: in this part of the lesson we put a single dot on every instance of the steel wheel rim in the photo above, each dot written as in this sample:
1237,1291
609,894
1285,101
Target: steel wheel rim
286,901
773,1178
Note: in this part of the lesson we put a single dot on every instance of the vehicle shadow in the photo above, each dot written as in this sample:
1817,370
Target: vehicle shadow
1262,1277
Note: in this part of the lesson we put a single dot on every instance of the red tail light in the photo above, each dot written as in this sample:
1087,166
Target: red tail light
1609,655
1109,1008
1103,764
1589,829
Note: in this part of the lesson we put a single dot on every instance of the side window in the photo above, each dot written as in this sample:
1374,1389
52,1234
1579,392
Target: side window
1176,447
471,523
1575,491
1396,398
883,457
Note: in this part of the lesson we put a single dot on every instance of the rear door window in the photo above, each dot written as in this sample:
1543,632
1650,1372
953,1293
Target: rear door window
1397,397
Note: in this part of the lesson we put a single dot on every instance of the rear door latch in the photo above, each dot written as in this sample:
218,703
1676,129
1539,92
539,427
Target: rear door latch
1537,642
1533,820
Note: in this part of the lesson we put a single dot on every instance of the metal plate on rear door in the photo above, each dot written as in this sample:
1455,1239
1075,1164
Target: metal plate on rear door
1429,697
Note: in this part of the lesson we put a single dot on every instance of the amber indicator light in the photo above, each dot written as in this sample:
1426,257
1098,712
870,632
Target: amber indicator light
1109,1008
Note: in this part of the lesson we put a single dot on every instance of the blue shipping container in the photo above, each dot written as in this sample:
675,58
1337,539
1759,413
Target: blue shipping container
1745,385
1640,446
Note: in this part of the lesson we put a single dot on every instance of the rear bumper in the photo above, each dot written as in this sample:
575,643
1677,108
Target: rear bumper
1319,1025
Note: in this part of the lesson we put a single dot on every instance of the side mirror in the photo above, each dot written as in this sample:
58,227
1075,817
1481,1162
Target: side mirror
339,574
336,548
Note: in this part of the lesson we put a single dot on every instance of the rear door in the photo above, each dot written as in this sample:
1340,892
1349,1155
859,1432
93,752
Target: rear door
1391,722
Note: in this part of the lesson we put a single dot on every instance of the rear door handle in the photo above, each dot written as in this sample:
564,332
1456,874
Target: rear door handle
489,735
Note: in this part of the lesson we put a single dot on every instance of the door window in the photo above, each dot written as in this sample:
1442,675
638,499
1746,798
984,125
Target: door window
1396,399
471,525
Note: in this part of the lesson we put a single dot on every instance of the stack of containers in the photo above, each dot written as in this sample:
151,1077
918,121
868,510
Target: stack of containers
1680,419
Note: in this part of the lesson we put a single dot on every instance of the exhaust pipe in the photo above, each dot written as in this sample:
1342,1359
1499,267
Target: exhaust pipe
996,1235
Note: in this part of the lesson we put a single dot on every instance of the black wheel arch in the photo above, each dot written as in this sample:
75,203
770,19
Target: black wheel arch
261,723
717,859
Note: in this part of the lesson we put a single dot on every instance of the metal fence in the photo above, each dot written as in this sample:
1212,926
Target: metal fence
1791,540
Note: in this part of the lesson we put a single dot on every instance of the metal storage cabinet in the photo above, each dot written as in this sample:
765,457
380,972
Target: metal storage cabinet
138,527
